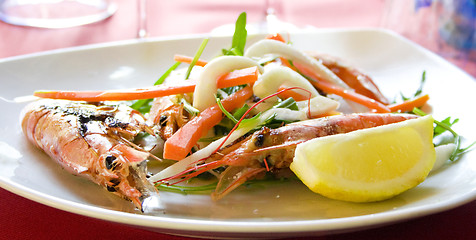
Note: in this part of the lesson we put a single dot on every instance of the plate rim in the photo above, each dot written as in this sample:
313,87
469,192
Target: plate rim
233,226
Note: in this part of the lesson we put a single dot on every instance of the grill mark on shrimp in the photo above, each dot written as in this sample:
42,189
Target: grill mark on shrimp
93,141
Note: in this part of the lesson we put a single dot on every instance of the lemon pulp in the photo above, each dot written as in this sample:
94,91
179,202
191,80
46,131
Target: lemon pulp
368,165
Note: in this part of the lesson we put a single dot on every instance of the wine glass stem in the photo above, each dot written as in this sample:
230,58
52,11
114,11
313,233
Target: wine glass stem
142,20
271,20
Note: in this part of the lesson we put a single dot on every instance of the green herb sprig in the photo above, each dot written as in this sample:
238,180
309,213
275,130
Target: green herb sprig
239,38
419,91
204,189
443,126
196,57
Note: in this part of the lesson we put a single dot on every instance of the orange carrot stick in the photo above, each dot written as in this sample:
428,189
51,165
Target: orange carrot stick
277,37
345,93
291,93
234,78
408,105
187,59
350,95
179,145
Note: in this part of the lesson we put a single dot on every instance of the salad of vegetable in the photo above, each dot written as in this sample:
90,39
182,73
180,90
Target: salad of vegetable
259,112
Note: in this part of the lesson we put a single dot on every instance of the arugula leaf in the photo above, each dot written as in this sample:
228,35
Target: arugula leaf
443,126
227,114
239,38
224,92
196,57
167,73
241,111
204,189
142,105
289,103
439,129
422,82
209,188
273,122
418,91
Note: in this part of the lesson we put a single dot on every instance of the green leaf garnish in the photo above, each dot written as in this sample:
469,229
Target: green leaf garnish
209,188
418,91
204,189
142,105
439,129
241,111
167,73
443,126
239,38
289,103
422,82
196,57
227,114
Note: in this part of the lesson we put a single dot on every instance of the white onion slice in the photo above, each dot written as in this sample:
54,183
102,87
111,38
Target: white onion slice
268,46
203,96
273,78
319,105
443,153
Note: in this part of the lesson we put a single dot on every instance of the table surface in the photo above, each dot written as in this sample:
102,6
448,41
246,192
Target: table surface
21,218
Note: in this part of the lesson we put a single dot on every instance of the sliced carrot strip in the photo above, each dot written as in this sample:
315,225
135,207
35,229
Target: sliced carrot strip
118,95
286,63
345,93
277,37
235,78
351,95
408,105
187,59
180,144
292,93
238,77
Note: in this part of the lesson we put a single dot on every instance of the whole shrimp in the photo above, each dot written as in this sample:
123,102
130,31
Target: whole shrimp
94,141
272,150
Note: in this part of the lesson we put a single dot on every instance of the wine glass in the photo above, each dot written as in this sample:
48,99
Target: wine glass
55,13
142,19
270,22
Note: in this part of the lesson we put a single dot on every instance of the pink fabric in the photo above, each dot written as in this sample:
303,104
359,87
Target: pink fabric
21,218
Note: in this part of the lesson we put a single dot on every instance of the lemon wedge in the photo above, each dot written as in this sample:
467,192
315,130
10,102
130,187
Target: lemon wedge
368,165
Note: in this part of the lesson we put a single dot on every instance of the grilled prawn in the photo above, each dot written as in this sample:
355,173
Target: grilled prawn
273,149
94,141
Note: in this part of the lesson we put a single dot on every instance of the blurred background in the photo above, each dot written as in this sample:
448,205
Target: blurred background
446,27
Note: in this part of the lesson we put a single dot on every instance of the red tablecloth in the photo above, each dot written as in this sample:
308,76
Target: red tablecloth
21,218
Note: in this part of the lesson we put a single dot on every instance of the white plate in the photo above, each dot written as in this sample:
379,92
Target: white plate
276,210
